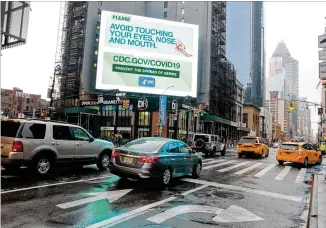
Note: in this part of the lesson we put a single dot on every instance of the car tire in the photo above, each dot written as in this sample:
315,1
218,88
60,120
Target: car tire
267,153
320,160
103,160
166,177
281,162
305,163
223,152
240,155
261,156
196,170
11,168
43,164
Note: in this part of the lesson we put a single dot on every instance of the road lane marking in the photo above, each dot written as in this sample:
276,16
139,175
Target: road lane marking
244,189
207,160
184,209
217,165
234,166
301,175
128,215
264,171
49,185
283,173
249,168
214,162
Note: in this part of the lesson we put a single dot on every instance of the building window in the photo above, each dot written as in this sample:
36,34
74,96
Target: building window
182,20
165,5
182,11
27,107
27,100
144,119
124,119
165,15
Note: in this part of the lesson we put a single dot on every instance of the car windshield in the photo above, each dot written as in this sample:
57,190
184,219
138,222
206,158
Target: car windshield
142,144
289,147
9,128
248,140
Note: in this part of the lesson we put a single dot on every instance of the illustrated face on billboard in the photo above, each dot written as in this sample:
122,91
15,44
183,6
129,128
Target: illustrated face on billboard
146,55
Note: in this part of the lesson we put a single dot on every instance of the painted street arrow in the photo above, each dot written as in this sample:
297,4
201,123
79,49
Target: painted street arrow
231,214
111,196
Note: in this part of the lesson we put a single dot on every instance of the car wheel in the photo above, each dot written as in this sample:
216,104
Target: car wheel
305,163
267,154
166,177
103,160
43,165
281,162
261,156
320,160
197,170
240,155
223,152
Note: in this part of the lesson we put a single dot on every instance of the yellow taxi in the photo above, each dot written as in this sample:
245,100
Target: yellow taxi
298,152
253,145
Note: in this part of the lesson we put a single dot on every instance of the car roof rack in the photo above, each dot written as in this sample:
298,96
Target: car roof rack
44,120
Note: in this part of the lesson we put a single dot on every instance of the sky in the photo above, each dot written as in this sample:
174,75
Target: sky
30,66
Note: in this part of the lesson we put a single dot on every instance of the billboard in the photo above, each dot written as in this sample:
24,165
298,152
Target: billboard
146,55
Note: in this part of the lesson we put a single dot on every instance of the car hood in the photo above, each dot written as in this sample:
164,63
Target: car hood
103,142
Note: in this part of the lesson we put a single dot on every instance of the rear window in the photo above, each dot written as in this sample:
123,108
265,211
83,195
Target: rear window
9,128
248,140
33,131
142,144
289,147
203,137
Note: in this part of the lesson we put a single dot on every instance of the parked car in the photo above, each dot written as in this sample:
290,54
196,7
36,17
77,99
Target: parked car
298,152
208,144
41,144
157,158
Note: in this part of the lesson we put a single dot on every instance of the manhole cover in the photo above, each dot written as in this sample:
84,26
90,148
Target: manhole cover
229,195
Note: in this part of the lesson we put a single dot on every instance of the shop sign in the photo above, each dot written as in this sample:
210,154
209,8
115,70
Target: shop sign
142,104
143,129
96,102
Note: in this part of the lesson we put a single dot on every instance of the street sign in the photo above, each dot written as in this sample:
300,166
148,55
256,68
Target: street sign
231,214
111,196
322,55
163,104
322,71
322,41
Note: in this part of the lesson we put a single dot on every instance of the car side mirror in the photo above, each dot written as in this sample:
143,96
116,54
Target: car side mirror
91,139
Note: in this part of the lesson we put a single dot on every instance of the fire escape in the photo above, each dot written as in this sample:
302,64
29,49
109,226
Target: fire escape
223,77
71,54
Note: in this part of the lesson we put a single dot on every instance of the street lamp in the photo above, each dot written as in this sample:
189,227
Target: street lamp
159,120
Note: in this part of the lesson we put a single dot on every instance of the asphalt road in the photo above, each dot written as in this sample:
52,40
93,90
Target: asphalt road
231,192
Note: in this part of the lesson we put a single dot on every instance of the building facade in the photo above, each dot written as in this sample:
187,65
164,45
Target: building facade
15,101
266,123
252,114
76,63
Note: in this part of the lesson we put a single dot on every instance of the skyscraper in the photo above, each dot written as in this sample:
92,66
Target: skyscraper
283,62
245,47
257,54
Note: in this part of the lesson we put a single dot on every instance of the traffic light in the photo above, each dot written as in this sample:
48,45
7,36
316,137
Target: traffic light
292,106
125,104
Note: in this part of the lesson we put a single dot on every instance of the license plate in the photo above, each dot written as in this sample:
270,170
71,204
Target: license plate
127,160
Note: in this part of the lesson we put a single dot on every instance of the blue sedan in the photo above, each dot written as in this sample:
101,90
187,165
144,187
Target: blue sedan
154,157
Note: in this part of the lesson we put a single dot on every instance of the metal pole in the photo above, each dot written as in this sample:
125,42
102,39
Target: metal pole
159,111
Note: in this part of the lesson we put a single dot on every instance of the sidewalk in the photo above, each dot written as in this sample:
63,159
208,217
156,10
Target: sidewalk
319,199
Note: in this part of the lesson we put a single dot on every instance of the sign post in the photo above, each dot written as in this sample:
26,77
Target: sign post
162,117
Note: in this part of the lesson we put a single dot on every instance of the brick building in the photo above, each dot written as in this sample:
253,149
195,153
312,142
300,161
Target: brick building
252,115
15,101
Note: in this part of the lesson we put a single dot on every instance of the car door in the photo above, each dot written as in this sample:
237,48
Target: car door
62,142
308,152
85,148
314,153
188,158
175,160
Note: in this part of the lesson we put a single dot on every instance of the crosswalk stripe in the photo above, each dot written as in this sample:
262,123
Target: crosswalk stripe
212,162
265,170
220,164
234,166
249,168
301,175
283,173
207,160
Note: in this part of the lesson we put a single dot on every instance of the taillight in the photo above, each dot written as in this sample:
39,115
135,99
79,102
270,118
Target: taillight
150,159
17,146
115,154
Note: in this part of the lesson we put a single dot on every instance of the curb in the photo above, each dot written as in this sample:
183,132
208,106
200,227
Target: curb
313,206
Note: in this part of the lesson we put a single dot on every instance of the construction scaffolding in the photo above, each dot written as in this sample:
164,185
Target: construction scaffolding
223,77
70,54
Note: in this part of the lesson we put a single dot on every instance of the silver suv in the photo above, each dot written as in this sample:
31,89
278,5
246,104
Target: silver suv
41,145
208,144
